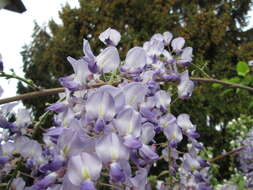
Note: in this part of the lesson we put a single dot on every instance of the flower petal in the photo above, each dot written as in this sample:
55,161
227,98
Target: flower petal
136,58
108,60
110,37
110,148
178,43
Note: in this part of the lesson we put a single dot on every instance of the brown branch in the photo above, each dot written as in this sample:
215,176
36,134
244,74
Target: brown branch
219,157
45,92
29,95
224,83
48,92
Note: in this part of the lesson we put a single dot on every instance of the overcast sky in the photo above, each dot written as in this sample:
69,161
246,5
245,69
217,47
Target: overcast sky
16,30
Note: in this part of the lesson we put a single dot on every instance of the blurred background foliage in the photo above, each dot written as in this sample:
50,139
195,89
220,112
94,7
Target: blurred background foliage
215,30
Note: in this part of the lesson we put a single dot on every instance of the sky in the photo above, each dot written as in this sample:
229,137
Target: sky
16,30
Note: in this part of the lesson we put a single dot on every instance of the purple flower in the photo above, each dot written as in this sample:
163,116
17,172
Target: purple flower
177,44
190,163
74,140
89,57
173,133
87,185
79,79
128,122
183,120
23,118
101,128
108,60
58,107
136,58
185,87
135,93
3,159
117,95
154,47
163,100
158,37
18,184
46,181
110,148
167,36
148,153
110,37
82,167
140,180
186,56
168,57
104,109
147,133
117,173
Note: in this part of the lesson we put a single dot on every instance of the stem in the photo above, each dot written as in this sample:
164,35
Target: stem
109,185
201,70
27,175
3,184
224,83
219,157
9,76
42,118
32,95
58,90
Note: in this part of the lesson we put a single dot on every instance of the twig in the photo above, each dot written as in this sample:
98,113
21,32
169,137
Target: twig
48,92
42,118
29,95
219,157
224,83
109,185
14,76
201,70
3,184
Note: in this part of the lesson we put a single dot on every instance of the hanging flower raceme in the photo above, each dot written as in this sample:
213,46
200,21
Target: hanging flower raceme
119,131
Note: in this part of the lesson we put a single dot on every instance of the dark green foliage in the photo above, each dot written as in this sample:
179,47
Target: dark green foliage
212,28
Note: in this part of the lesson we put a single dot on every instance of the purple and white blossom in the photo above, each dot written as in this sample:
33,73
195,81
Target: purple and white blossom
177,44
110,37
112,130
136,58
185,88
110,148
108,60
18,184
83,169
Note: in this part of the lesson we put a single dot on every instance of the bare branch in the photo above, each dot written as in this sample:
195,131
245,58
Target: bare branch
48,92
224,83
220,157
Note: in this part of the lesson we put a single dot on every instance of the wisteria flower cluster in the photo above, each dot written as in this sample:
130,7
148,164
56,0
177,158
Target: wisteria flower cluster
114,124
245,158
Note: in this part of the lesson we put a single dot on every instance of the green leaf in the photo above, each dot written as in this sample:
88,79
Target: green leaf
152,179
216,85
234,80
248,80
242,68
251,105
226,91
